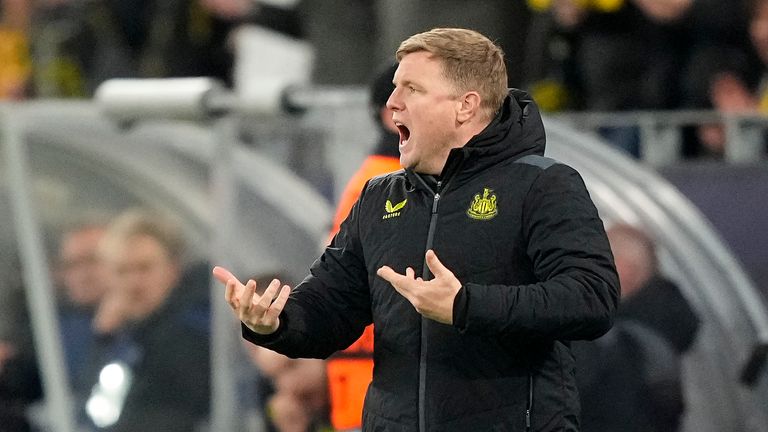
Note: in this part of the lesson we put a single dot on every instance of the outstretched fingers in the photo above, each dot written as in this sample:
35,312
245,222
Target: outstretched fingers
233,287
246,299
262,314
386,273
269,294
277,306
393,277
229,293
405,284
410,273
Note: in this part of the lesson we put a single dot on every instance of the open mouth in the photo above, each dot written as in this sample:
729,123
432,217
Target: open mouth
405,133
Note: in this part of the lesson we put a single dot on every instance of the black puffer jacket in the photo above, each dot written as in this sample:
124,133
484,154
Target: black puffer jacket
522,235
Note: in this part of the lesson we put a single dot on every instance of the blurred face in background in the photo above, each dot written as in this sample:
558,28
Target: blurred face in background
758,30
634,260
143,273
80,271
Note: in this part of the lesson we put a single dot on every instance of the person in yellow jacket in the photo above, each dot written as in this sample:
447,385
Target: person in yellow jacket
350,371
15,61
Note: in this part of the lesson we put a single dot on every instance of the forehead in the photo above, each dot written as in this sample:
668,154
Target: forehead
418,66
136,247
85,238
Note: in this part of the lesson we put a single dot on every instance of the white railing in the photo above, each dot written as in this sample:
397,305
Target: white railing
661,134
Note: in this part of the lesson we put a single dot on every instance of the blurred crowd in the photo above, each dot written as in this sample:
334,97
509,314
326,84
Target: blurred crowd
65,48
134,319
133,312
573,55
626,55
134,316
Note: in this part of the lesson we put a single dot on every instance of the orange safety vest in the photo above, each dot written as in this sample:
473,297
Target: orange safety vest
350,371
372,166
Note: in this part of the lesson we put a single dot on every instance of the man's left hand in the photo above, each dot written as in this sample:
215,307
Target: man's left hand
432,299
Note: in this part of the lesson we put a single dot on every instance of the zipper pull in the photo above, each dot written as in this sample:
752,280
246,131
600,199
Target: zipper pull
528,419
434,203
437,197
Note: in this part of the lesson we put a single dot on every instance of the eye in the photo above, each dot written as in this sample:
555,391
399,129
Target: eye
411,89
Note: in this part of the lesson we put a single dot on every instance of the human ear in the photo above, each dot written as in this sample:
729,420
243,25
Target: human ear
469,106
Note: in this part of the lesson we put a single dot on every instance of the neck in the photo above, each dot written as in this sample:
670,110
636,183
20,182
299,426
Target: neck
469,130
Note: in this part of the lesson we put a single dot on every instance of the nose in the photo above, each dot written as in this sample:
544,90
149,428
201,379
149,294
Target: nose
394,102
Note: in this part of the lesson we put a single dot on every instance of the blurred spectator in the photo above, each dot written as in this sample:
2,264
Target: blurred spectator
609,44
723,78
151,363
599,57
729,76
19,386
295,390
278,15
596,56
648,297
503,21
721,71
82,283
758,32
630,379
293,393
77,45
19,379
15,64
343,33
715,42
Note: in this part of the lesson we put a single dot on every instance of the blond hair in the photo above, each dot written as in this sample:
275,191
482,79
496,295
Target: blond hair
145,222
470,60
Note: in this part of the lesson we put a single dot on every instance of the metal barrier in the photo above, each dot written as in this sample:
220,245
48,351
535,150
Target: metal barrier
734,334
270,220
661,136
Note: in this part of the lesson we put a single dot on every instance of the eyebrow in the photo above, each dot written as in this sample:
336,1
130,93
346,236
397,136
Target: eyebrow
407,83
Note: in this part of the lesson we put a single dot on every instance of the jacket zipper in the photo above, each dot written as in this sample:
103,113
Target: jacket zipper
426,275
529,405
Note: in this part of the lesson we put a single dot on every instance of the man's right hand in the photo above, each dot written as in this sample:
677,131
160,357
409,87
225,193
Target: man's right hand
260,313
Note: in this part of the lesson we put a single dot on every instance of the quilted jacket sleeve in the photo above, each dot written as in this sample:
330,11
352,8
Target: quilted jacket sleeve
578,289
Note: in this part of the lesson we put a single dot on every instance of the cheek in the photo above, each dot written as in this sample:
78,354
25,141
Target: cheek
436,125
759,32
